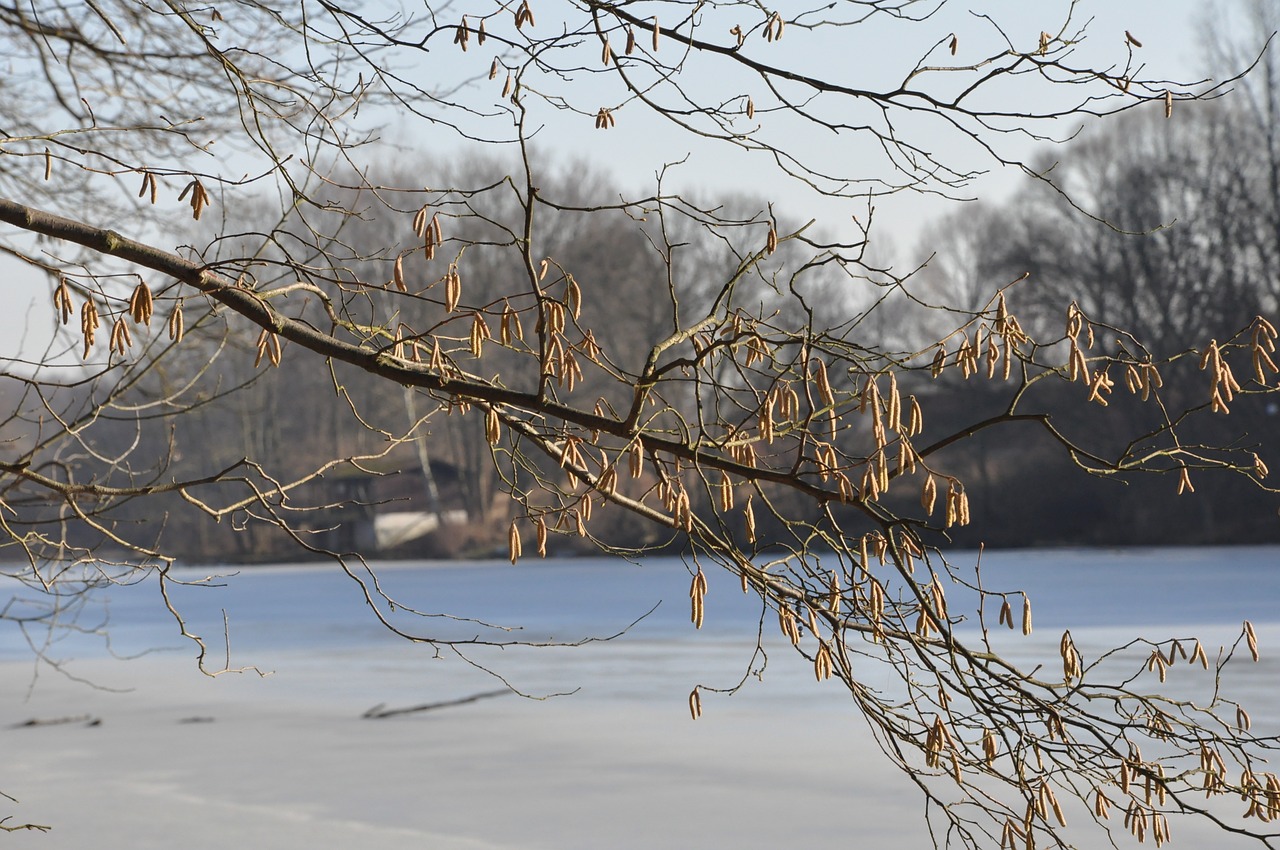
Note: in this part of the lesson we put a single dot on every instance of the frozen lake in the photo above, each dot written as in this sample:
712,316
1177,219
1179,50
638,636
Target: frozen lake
285,760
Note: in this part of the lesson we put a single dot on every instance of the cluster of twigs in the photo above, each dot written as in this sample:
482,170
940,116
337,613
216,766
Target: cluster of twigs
760,423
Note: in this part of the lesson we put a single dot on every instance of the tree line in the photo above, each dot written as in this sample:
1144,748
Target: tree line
1179,235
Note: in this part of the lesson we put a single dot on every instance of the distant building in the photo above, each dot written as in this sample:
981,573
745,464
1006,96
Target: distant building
382,506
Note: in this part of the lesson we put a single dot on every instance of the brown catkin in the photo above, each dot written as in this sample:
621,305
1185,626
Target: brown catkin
822,383
492,427
635,459
697,593
452,288
513,542
397,274
822,665
929,495
726,492
176,324
540,528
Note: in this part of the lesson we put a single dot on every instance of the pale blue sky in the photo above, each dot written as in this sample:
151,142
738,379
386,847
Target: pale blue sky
1170,32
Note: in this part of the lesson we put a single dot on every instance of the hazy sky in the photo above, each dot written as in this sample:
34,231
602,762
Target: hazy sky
1170,32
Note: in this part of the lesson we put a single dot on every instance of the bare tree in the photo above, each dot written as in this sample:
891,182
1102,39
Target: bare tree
1175,245
768,426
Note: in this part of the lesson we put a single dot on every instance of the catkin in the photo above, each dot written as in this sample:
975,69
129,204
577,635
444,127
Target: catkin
573,297
822,666
697,592
894,410
608,481
89,322
176,324
906,457
939,361
479,333
773,27
1184,481
492,426
540,527
121,340
1070,657
62,300
524,15
513,542
199,198
636,459
452,288
765,419
870,490
875,601
397,274
148,186
509,328
929,495
1053,803
683,511
269,347
726,492
823,384
787,623
141,304
915,419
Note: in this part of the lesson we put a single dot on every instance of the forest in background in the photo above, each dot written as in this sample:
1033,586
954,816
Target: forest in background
1182,235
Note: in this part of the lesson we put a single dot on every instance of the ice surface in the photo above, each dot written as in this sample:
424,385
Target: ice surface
180,760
